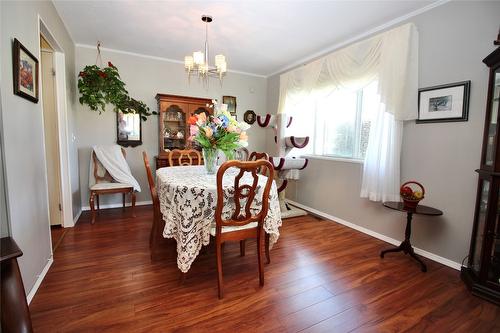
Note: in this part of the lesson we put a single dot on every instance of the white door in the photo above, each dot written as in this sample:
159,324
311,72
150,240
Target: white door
51,132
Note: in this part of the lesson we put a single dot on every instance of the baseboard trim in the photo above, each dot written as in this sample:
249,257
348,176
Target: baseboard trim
75,219
119,205
428,255
39,280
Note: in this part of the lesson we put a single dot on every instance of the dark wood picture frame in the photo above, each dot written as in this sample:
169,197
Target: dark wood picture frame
465,102
127,142
17,50
230,101
249,117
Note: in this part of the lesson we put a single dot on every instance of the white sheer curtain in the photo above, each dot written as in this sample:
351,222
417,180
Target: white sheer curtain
392,59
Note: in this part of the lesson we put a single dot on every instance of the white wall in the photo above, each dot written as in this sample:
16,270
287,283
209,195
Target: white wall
144,78
454,38
23,134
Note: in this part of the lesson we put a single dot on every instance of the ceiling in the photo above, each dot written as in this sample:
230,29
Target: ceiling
258,37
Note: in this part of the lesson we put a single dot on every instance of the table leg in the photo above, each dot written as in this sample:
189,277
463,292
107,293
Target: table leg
405,246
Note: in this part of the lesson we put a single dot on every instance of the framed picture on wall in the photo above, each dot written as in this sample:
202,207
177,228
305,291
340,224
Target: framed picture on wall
230,101
249,117
128,129
445,103
25,69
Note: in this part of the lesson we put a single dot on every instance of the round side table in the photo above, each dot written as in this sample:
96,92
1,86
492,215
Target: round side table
405,246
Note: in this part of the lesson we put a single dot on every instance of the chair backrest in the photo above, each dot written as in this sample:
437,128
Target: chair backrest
151,181
243,191
241,154
178,154
255,156
106,178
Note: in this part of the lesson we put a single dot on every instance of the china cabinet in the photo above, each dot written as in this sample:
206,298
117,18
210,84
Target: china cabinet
482,274
173,130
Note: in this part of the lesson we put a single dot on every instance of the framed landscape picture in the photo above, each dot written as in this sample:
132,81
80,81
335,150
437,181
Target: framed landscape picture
230,101
445,103
25,69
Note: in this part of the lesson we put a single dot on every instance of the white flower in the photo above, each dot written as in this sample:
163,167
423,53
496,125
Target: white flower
223,107
243,126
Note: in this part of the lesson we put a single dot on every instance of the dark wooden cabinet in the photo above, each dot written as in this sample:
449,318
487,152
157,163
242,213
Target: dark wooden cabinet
173,130
15,312
482,274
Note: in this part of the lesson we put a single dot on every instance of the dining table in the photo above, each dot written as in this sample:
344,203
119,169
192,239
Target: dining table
188,197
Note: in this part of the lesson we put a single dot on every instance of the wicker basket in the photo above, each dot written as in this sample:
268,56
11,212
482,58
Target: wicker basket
411,202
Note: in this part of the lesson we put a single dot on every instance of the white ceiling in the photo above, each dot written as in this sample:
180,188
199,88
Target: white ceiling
258,37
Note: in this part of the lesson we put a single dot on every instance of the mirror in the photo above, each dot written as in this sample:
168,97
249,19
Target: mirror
128,129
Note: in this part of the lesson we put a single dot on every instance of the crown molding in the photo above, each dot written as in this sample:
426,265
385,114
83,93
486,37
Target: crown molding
357,38
159,58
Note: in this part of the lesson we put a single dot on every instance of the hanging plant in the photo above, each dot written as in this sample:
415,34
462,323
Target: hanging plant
101,86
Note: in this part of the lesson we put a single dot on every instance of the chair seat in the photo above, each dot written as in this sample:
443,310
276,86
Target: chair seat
109,186
234,228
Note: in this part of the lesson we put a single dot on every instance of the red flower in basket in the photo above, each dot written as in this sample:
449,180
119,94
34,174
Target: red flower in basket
411,192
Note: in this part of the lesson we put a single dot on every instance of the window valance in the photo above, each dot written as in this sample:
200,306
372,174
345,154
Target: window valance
390,57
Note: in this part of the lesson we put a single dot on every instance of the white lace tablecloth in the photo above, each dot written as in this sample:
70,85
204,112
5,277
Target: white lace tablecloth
188,197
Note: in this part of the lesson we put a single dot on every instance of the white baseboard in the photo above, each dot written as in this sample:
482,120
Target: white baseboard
75,219
39,280
429,255
119,205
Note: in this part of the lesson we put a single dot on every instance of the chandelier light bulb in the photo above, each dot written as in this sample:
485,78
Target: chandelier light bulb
188,62
199,58
219,60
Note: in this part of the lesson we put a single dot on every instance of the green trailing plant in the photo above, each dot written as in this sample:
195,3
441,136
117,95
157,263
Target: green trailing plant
101,86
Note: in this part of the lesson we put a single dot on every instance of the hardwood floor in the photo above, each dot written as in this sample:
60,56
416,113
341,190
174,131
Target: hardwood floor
323,277
57,233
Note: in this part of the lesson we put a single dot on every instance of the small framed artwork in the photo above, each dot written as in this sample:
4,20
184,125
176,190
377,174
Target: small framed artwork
25,69
128,129
445,103
249,117
230,101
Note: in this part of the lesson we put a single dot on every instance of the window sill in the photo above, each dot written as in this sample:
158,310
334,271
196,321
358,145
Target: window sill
332,158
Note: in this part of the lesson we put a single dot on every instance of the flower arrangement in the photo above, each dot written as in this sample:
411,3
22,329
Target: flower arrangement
220,131
99,87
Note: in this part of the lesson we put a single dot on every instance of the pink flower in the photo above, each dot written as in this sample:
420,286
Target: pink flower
193,130
233,129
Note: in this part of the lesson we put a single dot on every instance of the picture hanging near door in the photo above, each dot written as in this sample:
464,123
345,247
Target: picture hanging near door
25,69
99,86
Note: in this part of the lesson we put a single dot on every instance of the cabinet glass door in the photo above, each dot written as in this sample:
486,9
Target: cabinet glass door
174,128
481,223
494,271
492,129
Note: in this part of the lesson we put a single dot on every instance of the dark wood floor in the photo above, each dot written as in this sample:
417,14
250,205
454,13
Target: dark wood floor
323,277
57,233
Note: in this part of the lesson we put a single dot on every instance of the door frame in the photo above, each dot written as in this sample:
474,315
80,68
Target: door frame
62,123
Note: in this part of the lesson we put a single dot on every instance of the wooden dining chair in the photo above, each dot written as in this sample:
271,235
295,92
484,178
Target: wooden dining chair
184,157
255,156
155,235
242,224
106,185
241,154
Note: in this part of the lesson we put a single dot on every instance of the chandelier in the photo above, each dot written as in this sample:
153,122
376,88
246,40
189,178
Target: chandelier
197,64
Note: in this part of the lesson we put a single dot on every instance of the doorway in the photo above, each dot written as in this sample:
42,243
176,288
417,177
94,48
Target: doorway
50,124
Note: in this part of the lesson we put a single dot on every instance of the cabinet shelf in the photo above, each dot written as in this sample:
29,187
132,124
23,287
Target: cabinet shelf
169,109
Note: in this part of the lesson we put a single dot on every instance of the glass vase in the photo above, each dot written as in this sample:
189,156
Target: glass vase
210,159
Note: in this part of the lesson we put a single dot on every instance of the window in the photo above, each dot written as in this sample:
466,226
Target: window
339,125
